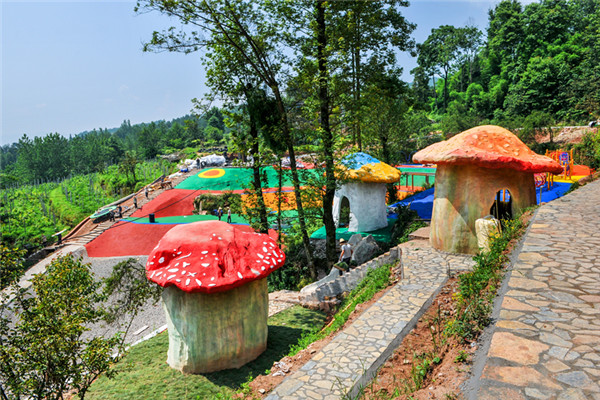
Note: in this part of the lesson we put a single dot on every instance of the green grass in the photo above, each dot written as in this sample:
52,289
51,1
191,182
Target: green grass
376,280
144,374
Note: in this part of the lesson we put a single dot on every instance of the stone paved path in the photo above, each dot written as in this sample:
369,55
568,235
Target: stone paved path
546,343
351,359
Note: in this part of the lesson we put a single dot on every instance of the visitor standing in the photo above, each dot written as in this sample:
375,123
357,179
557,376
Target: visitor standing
135,202
220,213
228,215
146,192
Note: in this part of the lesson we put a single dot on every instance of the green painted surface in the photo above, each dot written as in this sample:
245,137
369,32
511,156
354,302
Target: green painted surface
380,235
420,181
237,179
186,219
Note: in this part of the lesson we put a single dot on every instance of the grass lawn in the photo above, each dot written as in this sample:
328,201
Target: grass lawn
144,373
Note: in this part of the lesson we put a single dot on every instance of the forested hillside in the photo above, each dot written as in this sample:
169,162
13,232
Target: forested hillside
536,64
53,156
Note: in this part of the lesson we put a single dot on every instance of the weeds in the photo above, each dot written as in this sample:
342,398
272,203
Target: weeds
477,289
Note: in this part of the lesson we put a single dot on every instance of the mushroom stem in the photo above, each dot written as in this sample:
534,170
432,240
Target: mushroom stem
464,193
211,332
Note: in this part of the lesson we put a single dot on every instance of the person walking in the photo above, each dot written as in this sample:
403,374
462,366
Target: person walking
346,254
146,192
220,213
228,215
135,202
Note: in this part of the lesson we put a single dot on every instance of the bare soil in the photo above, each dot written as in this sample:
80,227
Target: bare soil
571,134
395,378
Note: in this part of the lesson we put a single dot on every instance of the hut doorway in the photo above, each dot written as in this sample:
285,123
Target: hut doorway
502,207
344,212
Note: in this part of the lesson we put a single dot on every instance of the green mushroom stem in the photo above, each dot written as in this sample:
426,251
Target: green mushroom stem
216,331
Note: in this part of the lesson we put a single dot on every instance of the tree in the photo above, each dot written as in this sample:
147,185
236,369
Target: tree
242,31
440,51
44,352
128,165
367,33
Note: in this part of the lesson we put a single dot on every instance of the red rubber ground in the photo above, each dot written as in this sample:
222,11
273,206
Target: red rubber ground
131,239
127,239
169,203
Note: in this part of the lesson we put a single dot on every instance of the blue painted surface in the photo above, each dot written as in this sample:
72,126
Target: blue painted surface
422,202
357,160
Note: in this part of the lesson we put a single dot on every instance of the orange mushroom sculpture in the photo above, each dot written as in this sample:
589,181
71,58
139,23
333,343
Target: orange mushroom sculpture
215,297
473,167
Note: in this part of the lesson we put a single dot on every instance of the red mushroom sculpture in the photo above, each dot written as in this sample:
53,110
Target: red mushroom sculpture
215,296
473,167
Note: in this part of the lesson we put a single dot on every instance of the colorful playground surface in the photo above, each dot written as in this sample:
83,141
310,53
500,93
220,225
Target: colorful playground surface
136,235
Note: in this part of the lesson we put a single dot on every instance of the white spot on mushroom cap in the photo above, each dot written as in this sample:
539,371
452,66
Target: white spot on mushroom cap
173,269
170,277
161,260
186,256
239,274
187,281
185,264
198,282
158,273
204,252
205,264
255,272
265,249
260,255
212,284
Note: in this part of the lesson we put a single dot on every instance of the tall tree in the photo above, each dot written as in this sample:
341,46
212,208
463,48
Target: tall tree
368,33
245,30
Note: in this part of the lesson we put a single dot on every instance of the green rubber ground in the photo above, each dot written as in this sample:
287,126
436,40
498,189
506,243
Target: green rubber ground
380,235
236,179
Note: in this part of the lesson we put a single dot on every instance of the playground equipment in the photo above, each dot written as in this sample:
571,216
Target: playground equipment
565,159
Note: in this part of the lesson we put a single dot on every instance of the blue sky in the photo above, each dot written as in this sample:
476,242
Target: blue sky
73,66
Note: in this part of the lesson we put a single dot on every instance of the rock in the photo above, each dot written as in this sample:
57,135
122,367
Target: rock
365,250
261,391
355,239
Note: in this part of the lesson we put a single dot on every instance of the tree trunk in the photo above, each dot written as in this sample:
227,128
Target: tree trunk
329,193
256,181
279,192
357,83
287,137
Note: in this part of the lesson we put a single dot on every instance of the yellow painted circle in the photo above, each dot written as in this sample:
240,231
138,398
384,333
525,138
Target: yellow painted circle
212,173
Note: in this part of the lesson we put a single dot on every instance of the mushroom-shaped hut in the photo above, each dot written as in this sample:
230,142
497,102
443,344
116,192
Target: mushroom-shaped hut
364,189
215,296
474,168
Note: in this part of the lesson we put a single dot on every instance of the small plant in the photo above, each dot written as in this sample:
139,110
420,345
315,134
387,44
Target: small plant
477,288
462,357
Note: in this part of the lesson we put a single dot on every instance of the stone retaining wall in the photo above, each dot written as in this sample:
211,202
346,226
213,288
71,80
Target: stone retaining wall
332,286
